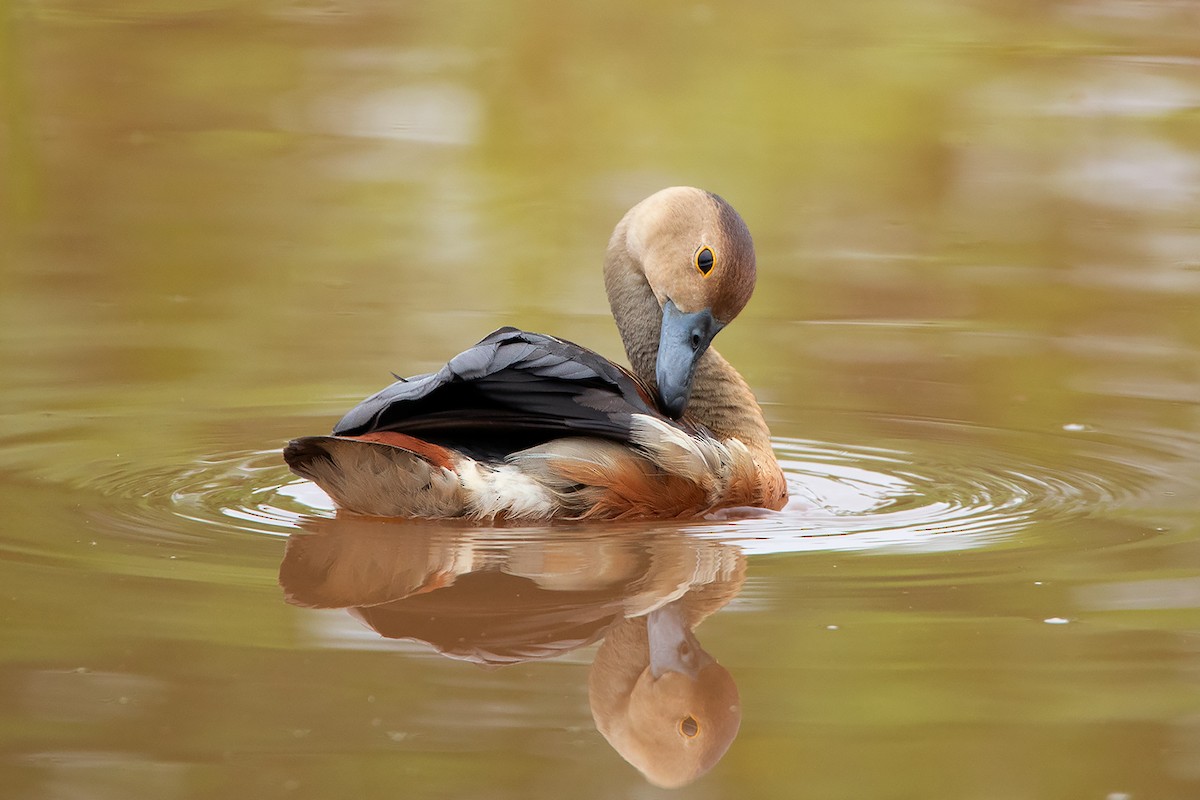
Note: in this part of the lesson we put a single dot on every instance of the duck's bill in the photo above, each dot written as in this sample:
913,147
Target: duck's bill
682,341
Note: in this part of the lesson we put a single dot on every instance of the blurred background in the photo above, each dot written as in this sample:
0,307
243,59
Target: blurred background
975,336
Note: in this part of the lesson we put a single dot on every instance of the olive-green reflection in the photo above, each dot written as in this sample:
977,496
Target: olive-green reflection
494,597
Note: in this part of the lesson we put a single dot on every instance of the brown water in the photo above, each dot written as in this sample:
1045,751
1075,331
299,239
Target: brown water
976,336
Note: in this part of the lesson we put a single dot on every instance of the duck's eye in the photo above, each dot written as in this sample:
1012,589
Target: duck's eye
705,260
689,727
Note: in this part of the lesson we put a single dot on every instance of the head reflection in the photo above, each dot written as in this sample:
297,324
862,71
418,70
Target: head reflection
496,596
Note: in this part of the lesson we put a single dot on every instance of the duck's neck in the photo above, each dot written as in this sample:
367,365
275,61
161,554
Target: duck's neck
721,399
634,308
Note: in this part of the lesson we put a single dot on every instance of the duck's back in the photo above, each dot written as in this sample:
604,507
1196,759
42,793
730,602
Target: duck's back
512,390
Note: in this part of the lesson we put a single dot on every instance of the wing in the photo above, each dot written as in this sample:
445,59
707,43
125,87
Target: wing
513,390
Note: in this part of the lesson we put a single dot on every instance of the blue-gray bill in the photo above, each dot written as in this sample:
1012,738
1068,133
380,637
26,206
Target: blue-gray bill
682,341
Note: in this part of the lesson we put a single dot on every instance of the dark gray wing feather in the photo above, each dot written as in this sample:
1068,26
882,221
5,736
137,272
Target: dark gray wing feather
518,386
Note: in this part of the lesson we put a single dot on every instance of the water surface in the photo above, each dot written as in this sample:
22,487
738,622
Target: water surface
975,336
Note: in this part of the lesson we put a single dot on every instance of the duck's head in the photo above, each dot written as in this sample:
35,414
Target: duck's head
690,252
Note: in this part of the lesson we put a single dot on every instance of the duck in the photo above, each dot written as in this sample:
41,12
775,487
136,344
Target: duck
526,426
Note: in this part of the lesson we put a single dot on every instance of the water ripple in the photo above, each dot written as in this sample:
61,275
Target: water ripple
938,485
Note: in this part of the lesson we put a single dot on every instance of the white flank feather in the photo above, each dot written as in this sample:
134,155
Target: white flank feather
678,453
503,491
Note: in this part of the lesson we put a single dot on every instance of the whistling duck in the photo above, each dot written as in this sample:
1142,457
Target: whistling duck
529,426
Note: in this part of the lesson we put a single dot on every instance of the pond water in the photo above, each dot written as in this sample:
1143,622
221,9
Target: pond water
976,337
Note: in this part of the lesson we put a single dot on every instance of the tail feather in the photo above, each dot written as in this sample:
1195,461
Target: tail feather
387,479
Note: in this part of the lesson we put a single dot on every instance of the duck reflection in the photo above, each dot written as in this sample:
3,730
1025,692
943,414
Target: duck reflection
497,596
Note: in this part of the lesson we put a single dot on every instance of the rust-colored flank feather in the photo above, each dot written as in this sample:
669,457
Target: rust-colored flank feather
528,426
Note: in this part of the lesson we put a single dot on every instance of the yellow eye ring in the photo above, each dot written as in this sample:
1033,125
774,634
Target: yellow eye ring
705,259
689,727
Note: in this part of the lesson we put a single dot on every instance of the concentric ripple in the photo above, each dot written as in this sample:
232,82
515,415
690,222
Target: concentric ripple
950,498
937,485
247,491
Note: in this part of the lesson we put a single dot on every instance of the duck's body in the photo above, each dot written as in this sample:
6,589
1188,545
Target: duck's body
527,426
